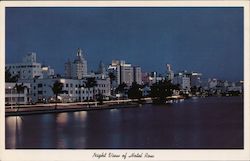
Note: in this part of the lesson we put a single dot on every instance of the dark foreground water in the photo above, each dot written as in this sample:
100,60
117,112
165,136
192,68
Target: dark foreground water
201,123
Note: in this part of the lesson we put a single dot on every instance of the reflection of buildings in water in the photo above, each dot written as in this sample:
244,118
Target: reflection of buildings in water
62,119
80,139
14,128
80,116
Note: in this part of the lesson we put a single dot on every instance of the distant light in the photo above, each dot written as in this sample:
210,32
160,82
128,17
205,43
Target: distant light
45,68
62,80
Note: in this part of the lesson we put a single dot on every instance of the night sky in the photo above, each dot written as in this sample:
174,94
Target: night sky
207,40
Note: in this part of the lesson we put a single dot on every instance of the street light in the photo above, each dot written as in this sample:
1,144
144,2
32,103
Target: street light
10,97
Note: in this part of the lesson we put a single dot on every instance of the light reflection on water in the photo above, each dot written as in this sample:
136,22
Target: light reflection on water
200,123
14,126
81,116
62,119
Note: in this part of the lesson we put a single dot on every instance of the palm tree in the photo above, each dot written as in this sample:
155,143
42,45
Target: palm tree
121,90
161,90
100,97
57,89
19,88
9,77
80,88
112,77
135,91
90,83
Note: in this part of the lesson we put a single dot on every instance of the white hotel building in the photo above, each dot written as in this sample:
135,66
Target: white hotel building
73,91
27,69
12,97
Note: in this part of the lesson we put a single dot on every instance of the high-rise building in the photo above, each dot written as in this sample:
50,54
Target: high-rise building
27,69
170,73
125,73
183,80
145,78
186,79
101,68
195,79
137,74
152,78
77,68
68,69
212,83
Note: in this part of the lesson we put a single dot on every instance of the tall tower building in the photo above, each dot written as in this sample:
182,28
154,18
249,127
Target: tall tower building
101,68
195,79
77,68
137,74
67,69
170,73
126,73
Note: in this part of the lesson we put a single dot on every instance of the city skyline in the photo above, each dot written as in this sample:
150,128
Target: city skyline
194,39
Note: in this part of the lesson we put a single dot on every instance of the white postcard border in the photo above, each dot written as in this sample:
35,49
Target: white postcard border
77,155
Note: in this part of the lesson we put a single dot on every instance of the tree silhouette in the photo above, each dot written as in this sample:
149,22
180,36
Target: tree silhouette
121,88
57,89
161,90
9,77
20,89
135,91
112,77
80,87
90,83
194,89
100,97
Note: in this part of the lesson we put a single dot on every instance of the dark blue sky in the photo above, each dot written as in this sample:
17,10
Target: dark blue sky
207,40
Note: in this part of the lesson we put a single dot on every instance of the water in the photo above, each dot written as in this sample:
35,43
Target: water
195,123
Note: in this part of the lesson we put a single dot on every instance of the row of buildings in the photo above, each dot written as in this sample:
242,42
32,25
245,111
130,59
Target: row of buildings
185,80
38,80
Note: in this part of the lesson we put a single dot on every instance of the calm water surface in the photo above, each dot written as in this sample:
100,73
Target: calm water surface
202,123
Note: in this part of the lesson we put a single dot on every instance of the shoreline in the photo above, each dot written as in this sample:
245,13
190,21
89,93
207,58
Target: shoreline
74,107
68,108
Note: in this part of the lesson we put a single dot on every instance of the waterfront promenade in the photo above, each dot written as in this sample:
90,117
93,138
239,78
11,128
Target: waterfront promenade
70,107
